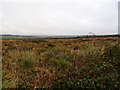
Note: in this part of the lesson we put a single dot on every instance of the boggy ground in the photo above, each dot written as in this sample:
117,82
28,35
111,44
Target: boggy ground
61,63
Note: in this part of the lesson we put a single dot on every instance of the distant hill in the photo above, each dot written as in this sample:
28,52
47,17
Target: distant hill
19,37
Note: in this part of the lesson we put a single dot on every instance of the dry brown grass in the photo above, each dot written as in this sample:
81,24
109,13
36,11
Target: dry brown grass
65,63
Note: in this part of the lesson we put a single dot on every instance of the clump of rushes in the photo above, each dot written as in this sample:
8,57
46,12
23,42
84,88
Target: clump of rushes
76,47
8,81
112,55
25,63
112,52
63,56
61,63
50,45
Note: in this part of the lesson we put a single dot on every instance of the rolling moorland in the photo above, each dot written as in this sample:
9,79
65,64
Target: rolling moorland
61,63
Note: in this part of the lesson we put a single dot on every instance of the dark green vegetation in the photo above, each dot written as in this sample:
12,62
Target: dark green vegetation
61,63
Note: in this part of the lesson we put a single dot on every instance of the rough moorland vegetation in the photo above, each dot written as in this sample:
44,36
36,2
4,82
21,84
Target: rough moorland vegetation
61,63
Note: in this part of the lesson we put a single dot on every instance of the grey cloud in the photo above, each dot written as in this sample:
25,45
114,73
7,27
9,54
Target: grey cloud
60,17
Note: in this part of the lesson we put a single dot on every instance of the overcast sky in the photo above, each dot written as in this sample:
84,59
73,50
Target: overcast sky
59,17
